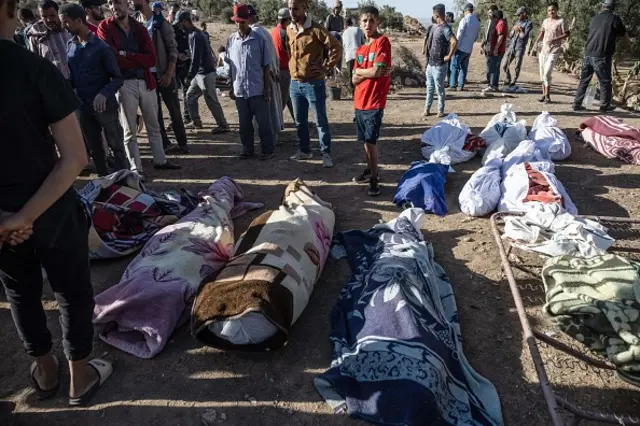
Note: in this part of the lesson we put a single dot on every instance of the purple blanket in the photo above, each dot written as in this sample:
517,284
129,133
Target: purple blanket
138,314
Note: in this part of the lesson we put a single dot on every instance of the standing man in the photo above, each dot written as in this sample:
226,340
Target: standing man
352,39
250,61
95,15
279,36
488,33
468,31
42,223
166,47
553,35
372,80
517,45
604,29
48,39
202,74
335,25
182,67
174,9
314,53
440,48
26,18
450,18
136,56
497,50
96,77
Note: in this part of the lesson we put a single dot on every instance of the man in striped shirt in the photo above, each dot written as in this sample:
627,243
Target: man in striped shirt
48,39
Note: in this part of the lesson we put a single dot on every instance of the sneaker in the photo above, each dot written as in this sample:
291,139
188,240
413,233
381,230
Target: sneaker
542,99
193,125
547,100
186,121
579,108
301,156
263,157
363,178
247,155
220,129
327,161
607,109
460,89
167,166
176,149
374,189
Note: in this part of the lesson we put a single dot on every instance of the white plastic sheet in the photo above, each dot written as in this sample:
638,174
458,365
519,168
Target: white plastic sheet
550,138
515,188
481,194
501,143
443,142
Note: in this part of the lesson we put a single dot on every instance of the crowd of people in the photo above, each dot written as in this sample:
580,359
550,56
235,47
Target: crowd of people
74,83
448,54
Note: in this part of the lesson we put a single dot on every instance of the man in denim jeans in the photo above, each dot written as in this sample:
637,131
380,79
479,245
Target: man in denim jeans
95,75
250,60
314,52
440,48
468,31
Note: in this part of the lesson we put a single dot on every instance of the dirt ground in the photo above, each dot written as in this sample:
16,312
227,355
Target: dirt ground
187,380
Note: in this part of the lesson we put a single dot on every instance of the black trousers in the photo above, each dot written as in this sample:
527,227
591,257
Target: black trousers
60,245
601,67
93,124
169,94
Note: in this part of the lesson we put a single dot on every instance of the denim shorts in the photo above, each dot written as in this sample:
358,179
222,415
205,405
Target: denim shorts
368,123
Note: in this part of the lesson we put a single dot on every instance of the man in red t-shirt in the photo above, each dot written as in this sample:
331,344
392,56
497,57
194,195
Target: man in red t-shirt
371,78
498,48
279,36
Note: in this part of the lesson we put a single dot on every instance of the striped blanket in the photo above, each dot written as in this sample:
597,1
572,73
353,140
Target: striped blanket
597,302
252,303
612,138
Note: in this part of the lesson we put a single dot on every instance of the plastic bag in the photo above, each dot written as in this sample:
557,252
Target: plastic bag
443,142
550,138
481,194
515,188
527,151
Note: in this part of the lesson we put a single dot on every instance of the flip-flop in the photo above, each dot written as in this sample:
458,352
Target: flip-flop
41,393
104,370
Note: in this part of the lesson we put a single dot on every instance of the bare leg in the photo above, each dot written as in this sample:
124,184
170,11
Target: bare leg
371,152
83,376
46,372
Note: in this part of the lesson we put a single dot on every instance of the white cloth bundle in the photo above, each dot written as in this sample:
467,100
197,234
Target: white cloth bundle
443,142
550,138
481,194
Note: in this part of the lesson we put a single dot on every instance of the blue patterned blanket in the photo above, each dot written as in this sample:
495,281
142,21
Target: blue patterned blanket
398,356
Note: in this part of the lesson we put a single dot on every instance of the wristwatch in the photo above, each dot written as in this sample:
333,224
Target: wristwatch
122,52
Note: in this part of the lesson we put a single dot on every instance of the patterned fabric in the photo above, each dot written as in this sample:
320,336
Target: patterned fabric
597,302
398,356
138,314
49,44
612,138
269,280
474,143
125,214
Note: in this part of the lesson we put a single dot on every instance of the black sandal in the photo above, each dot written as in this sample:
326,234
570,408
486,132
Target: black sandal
41,393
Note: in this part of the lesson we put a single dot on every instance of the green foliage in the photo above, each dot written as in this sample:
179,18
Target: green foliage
389,17
268,10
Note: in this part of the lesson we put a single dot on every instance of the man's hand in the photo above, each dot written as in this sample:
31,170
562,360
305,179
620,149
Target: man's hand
482,52
183,57
166,79
99,103
15,229
232,95
447,58
274,75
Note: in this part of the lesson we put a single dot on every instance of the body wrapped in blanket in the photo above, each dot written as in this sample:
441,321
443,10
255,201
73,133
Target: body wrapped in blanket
252,303
138,314
398,357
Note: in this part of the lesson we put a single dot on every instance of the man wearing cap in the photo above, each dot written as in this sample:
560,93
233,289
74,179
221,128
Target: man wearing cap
202,74
517,45
250,60
95,15
96,77
134,50
314,52
166,46
468,31
605,28
280,41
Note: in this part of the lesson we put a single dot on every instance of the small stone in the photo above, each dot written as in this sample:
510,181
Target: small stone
271,380
509,337
498,298
468,240
223,416
209,417
253,401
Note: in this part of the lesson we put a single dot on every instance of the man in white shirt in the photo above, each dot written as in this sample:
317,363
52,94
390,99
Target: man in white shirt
467,35
352,39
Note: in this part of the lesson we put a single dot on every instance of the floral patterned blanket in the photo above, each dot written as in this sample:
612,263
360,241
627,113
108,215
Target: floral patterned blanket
252,303
138,314
398,356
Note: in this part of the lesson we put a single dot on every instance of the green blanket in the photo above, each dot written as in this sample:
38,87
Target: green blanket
597,302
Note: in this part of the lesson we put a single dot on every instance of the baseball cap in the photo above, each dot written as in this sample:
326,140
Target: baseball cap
609,3
157,5
469,6
440,8
284,13
183,15
252,10
241,13
521,11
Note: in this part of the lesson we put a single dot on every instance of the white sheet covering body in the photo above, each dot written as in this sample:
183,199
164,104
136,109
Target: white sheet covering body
550,138
443,143
481,194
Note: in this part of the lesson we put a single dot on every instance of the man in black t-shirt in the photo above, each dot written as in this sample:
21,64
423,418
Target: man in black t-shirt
604,29
42,223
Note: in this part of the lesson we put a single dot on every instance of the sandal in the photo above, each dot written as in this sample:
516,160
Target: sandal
104,370
220,129
41,393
